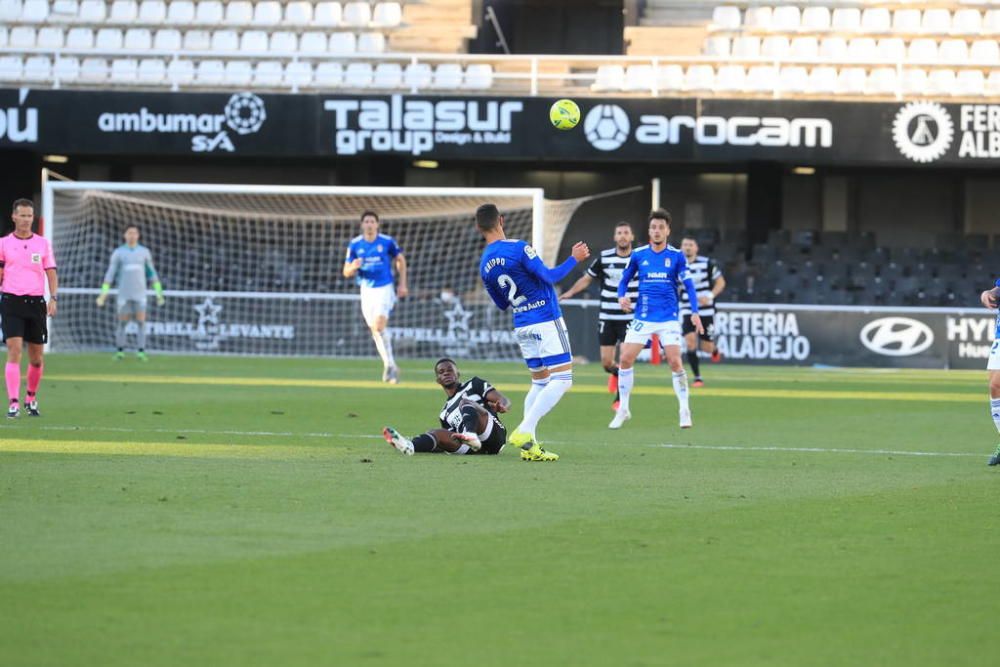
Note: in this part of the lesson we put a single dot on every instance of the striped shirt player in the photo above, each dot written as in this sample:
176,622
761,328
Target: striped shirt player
130,270
26,264
516,278
709,284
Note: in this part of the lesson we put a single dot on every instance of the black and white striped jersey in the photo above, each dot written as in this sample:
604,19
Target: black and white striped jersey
473,389
608,269
704,272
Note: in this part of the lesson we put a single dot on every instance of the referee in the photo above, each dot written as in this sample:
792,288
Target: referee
26,261
613,321
709,283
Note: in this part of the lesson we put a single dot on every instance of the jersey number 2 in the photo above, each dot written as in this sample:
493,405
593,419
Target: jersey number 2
507,283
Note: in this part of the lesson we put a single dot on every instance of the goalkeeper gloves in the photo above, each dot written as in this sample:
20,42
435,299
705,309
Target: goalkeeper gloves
158,288
105,288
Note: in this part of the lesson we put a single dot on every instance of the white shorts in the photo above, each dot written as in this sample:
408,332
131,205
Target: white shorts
639,332
377,301
544,344
994,363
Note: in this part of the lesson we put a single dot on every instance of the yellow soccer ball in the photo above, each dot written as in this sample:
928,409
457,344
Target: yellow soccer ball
564,114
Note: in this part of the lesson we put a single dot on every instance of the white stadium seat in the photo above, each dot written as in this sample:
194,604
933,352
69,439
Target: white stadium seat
762,79
239,12
35,11
846,19
197,40
22,37
152,12
298,12
64,11
180,12
109,39
730,78
94,70
477,76
970,83
816,19
10,11
639,77
284,42
387,15
775,46
906,21
418,75
804,48
268,73
152,70
716,46
123,11
913,80
699,77
11,68
267,12
313,42
670,77
80,38
922,51
891,49
758,17
991,22
608,78
876,19
726,18
50,37
371,42
793,79
124,70
92,11
941,81
833,49
851,80
180,72
746,47
786,18
993,83
936,21
823,80
167,39
357,14
210,72
329,75
967,22
298,74
883,81
343,43
953,51
358,75
238,73
862,50
984,52
138,39
326,14
37,68
225,41
390,75
449,75
253,41
66,69
4,35
209,13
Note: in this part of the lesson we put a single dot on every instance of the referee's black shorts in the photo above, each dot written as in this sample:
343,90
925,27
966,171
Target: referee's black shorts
24,317
707,321
611,332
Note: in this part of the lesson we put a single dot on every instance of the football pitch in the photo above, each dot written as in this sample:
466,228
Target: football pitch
237,511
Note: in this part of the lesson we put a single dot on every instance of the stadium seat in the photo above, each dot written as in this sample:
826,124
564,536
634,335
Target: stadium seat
969,83
786,18
298,12
746,47
608,78
358,75
876,19
4,35
64,11
312,42
66,69
298,74
922,51
197,40
953,52
253,41
758,17
225,41
268,73
152,71
823,80
991,22
914,81
966,22
180,12
941,81
993,86
984,52
816,19
833,49
851,80
639,77
794,79
93,70
731,78
357,14
11,68
804,48
906,21
390,75
891,50
238,73
862,50
138,39
936,21
775,46
284,42
718,47
210,72
109,39
726,18
180,72
124,70
418,75
267,12
883,81
387,15
209,13
371,42
34,11
123,12
326,14
670,77
10,11
478,77
80,38
329,75
239,12
49,37
699,77
762,79
167,39
152,12
449,75
37,68
21,37
846,19
343,43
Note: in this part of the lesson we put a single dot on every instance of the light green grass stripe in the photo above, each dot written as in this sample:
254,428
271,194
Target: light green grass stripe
713,392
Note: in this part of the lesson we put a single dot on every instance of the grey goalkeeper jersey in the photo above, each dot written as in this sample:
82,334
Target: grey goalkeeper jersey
130,269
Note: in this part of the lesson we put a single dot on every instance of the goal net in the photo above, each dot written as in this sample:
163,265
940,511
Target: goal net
258,270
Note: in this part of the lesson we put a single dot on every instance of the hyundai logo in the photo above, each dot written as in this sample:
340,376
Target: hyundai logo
897,336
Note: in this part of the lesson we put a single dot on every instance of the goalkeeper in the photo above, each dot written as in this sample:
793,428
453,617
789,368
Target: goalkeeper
131,266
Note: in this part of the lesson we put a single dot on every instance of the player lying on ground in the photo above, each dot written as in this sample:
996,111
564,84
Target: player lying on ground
469,423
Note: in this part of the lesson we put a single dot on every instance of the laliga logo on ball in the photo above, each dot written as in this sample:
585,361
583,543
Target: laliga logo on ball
606,127
564,114
245,113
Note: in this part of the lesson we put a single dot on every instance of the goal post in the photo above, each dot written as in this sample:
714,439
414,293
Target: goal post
256,269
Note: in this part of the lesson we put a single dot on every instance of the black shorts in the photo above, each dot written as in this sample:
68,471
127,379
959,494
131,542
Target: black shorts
495,441
707,321
24,317
610,332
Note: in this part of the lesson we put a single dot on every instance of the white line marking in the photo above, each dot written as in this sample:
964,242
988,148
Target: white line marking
816,450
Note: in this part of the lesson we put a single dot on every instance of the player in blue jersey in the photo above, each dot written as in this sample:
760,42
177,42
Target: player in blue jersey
990,298
661,268
516,278
370,258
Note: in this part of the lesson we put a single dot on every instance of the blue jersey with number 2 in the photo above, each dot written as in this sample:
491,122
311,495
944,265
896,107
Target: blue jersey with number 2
516,278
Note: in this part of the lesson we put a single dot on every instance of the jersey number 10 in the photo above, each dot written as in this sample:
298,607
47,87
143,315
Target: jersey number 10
507,283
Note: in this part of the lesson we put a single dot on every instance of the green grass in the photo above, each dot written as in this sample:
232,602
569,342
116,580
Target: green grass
219,511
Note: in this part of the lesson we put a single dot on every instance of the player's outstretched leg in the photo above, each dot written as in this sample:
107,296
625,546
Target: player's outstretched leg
559,381
399,443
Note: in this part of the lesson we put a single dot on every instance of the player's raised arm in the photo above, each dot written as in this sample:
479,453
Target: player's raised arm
536,266
497,401
630,270
109,277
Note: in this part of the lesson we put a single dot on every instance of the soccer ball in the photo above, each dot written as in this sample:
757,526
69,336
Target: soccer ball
564,114
606,127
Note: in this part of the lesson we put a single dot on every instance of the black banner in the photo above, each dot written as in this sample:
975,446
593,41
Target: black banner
491,128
